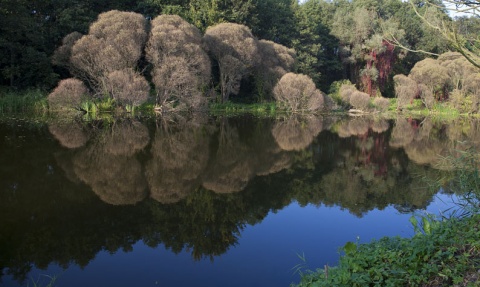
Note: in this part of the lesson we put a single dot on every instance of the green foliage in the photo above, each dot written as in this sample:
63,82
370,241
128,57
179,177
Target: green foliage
447,253
443,252
316,47
89,107
29,101
334,91
237,108
106,105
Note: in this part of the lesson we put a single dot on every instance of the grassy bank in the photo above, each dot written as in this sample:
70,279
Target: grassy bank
448,255
239,108
27,101
443,252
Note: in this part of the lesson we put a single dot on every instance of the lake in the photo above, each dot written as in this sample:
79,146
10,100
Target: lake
210,201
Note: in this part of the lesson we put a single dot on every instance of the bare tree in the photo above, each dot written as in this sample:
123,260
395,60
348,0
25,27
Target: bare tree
406,89
297,93
61,56
360,100
115,42
458,68
181,67
466,45
381,104
235,49
69,94
127,87
276,61
432,76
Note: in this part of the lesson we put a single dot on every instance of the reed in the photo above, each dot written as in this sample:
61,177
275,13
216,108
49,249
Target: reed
27,101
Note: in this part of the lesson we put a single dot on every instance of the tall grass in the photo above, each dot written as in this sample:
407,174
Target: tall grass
237,108
28,101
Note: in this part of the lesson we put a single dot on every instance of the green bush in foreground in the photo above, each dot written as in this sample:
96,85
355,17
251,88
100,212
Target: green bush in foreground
446,254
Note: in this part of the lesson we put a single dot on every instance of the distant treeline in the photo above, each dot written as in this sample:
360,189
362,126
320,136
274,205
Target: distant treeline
333,40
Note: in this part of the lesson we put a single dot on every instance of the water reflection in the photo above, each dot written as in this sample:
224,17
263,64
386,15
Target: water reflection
428,143
297,132
109,165
194,184
179,155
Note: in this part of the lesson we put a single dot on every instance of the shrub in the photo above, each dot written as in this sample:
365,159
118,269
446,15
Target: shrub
276,61
360,100
68,94
128,87
427,96
345,92
406,90
458,100
177,86
115,42
297,92
62,54
458,68
181,67
228,41
432,76
381,104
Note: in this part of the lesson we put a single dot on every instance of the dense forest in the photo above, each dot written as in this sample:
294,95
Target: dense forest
366,42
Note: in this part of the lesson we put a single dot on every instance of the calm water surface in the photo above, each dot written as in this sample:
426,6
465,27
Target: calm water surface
209,201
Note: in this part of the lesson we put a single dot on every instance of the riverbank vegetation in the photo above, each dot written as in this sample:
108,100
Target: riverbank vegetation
445,251
185,55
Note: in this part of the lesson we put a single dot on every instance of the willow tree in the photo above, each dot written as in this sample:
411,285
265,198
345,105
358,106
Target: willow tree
276,61
235,49
114,42
433,79
406,89
61,56
127,87
298,93
181,67
68,94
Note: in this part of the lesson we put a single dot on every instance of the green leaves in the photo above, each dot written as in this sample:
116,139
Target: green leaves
350,248
443,254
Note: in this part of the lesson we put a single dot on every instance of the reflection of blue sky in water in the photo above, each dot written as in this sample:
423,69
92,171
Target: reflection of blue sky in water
264,256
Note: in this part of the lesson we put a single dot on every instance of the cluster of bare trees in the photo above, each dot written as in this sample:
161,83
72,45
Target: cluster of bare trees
107,58
181,67
118,54
450,77
360,101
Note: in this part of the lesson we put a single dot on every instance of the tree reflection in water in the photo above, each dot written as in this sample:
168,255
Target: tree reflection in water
194,184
